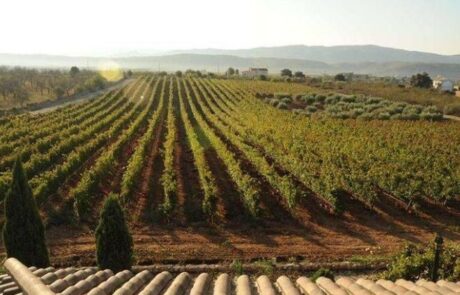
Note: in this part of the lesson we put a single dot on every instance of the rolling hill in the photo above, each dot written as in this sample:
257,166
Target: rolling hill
313,60
335,54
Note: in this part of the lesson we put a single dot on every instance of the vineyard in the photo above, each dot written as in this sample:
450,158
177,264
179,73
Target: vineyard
195,151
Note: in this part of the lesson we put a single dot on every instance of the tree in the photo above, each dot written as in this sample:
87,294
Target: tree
299,74
421,80
74,71
114,244
23,231
59,92
286,73
21,95
179,74
230,71
340,77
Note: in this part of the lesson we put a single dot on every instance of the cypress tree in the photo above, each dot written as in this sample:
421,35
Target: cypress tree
23,231
114,244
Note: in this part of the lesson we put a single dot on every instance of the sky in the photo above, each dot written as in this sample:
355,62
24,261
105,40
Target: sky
100,27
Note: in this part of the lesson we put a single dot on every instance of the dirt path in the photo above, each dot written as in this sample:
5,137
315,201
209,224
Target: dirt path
455,118
245,241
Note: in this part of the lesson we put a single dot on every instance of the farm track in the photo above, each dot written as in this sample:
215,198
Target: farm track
218,115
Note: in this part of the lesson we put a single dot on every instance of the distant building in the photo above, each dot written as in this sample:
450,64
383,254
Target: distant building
443,85
255,72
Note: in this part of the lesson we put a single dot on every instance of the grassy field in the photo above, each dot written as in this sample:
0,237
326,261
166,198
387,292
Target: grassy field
448,103
442,101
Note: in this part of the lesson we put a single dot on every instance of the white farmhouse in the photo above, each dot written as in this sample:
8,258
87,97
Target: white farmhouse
255,72
443,85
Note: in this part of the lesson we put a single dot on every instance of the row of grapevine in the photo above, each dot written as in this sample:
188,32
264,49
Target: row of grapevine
50,181
169,177
42,134
82,194
23,133
136,161
247,186
405,159
313,171
66,144
50,147
283,184
26,126
207,181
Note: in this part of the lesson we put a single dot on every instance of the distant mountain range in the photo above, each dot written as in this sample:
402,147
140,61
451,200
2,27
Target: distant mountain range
313,60
335,54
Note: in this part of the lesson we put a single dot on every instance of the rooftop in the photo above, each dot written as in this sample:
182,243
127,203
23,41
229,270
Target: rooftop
90,280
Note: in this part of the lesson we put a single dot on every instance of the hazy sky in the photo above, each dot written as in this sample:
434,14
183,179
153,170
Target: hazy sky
88,27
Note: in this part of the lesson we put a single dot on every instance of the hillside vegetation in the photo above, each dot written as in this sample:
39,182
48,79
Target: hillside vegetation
447,103
22,86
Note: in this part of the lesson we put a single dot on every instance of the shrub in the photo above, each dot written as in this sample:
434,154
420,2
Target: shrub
410,116
281,95
320,98
430,116
342,115
322,272
330,100
348,98
309,99
114,244
384,103
452,109
394,109
298,111
396,117
430,109
237,267
332,109
286,100
23,231
263,78
318,105
282,106
311,109
356,112
384,116
366,116
414,263
414,109
371,107
373,100
298,97
274,102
